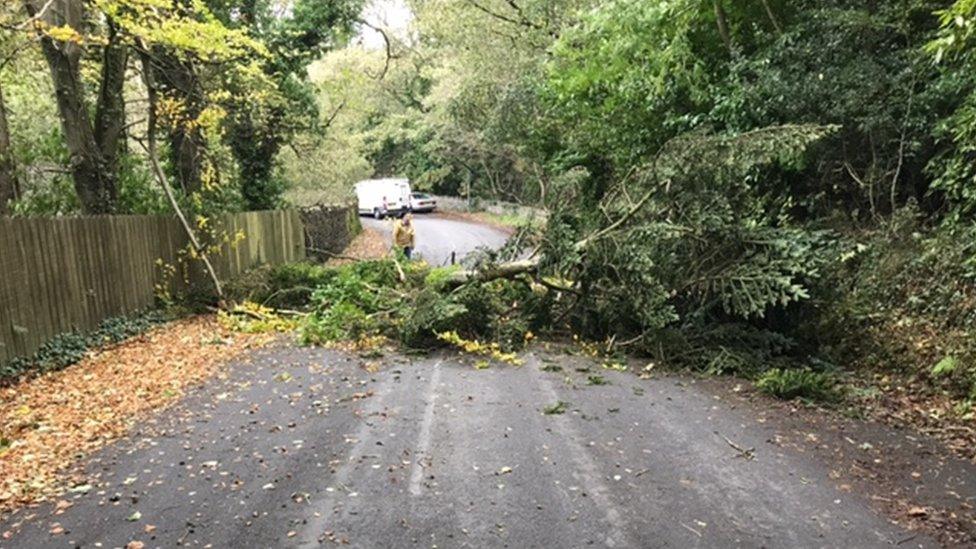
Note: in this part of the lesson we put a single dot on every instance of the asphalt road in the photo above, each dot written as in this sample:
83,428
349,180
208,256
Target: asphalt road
438,237
303,447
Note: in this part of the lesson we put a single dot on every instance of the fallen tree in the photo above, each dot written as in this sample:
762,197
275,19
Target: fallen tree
692,203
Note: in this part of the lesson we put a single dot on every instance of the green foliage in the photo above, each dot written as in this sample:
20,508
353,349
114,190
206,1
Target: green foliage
341,321
232,90
345,306
427,314
945,367
281,286
368,298
805,384
557,408
955,48
901,298
689,241
68,348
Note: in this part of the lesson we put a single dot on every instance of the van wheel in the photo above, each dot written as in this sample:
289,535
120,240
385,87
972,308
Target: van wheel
377,214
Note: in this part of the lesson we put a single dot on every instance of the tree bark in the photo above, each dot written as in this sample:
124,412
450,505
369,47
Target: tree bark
186,145
186,150
772,17
95,181
722,20
110,116
9,186
504,270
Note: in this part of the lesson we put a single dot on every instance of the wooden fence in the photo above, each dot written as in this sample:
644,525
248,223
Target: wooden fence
63,274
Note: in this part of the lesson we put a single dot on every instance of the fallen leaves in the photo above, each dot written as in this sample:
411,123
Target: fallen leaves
52,420
918,512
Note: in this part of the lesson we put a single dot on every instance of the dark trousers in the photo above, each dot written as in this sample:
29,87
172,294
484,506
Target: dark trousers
408,251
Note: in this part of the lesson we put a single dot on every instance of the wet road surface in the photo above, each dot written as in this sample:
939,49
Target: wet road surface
303,447
437,237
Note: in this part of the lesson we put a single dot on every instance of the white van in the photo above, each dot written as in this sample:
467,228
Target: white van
382,197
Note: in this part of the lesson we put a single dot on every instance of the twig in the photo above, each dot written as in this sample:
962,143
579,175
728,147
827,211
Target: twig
331,254
692,530
745,453
37,15
400,274
389,50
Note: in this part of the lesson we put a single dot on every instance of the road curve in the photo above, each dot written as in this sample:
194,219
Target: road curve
438,237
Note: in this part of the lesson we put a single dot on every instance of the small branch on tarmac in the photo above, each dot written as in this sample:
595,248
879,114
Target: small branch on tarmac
744,453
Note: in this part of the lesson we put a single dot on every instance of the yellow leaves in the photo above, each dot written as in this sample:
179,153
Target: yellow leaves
253,318
64,33
191,28
210,121
170,109
492,350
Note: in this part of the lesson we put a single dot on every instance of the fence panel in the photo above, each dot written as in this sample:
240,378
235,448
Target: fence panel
63,274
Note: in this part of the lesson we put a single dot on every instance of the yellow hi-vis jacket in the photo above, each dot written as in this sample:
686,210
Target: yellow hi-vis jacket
403,235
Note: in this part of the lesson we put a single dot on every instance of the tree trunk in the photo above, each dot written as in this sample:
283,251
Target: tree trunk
722,20
110,116
186,149
94,183
151,93
9,188
177,77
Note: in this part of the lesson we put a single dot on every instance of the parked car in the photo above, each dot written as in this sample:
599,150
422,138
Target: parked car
382,197
422,202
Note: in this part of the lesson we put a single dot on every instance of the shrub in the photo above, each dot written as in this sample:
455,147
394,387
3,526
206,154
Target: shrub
801,383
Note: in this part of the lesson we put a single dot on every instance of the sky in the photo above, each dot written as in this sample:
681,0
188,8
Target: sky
393,15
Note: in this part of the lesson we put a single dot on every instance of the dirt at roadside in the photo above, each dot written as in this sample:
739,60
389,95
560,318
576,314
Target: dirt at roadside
369,244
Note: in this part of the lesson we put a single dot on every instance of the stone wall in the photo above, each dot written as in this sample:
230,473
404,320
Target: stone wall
329,229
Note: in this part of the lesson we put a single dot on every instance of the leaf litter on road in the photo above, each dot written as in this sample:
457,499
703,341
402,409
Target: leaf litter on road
54,419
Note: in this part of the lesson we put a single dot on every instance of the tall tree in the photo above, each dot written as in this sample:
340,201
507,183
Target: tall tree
92,144
9,188
177,76
257,133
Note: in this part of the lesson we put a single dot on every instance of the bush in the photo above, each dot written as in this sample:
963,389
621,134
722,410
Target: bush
803,383
902,299
69,348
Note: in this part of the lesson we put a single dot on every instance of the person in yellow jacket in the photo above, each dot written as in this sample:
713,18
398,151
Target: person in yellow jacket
404,235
